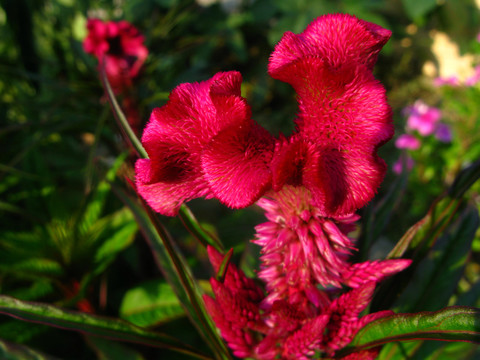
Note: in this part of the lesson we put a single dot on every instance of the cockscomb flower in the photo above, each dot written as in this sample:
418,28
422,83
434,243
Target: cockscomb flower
118,47
301,250
343,112
203,142
289,330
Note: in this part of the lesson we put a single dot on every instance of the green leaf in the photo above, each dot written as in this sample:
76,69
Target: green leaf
10,351
106,350
91,324
378,216
436,277
194,227
416,9
117,233
456,323
151,303
464,180
176,271
122,121
96,200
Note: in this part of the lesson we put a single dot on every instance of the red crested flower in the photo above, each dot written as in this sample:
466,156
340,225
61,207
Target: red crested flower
119,47
203,142
343,112
287,329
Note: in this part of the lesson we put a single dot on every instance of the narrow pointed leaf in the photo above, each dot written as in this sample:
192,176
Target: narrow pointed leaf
377,217
440,214
465,179
107,349
456,323
11,351
176,271
91,324
436,277
125,127
222,270
192,225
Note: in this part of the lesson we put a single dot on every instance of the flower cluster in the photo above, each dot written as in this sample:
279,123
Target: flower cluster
204,143
119,48
425,121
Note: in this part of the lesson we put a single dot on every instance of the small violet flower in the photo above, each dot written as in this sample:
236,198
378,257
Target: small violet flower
422,118
443,133
118,47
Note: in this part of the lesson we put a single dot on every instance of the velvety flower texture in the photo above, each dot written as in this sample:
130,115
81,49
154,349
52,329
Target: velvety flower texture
119,47
344,116
289,330
203,142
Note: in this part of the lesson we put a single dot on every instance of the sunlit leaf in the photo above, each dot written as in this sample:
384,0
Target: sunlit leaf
456,323
91,324
151,303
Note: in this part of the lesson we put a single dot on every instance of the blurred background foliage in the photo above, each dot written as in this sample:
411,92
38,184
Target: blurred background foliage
67,239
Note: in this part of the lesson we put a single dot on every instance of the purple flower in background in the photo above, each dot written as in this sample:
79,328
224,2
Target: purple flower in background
398,166
423,118
407,141
443,133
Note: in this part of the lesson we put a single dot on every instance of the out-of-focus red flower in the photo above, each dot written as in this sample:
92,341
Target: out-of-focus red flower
118,47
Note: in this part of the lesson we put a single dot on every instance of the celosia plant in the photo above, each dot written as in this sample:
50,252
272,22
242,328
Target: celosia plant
203,142
119,48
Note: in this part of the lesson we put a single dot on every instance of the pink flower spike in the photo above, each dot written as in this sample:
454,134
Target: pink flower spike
358,274
423,118
407,141
302,344
188,139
